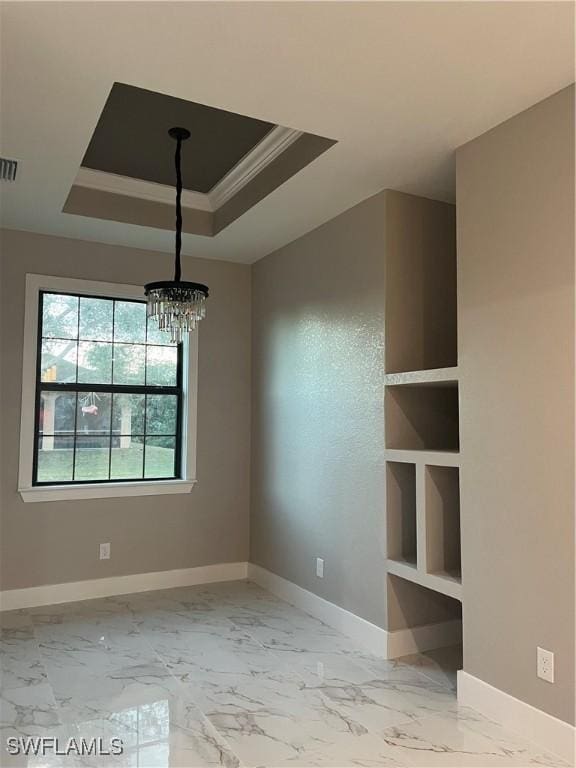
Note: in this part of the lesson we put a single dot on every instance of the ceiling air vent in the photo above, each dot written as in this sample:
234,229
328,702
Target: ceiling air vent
8,169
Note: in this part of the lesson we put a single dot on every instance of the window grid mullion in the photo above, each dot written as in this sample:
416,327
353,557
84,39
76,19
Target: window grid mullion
77,335
145,402
112,398
107,341
127,389
146,362
75,435
144,443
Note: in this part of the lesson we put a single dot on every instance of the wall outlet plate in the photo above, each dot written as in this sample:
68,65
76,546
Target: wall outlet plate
105,551
545,664
320,567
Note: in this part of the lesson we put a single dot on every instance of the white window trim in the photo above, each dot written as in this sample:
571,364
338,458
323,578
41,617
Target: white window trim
30,493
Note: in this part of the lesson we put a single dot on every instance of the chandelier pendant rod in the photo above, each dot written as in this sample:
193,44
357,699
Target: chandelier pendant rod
177,160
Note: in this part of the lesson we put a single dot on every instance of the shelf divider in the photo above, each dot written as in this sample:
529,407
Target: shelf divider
421,522
428,376
417,456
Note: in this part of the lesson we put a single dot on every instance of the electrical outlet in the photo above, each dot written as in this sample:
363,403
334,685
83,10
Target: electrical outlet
105,551
319,567
545,668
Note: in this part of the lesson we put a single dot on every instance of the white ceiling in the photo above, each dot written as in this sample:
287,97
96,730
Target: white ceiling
400,85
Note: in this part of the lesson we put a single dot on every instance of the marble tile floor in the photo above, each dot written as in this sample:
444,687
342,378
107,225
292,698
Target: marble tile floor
229,675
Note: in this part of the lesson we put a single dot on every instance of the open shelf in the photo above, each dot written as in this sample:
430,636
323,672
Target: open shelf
420,284
422,416
442,505
412,605
442,584
432,376
401,512
440,458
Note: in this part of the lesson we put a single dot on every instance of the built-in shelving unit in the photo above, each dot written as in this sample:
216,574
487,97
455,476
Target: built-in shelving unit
423,519
421,397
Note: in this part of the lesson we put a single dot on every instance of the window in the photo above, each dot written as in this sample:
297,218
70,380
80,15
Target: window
112,397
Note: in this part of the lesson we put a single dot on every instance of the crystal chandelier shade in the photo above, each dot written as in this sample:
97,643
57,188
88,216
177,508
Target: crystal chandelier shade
178,306
178,310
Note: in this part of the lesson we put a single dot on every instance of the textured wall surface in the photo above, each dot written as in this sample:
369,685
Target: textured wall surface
516,349
48,543
318,438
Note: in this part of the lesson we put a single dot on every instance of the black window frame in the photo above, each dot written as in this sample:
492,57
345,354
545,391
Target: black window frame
129,389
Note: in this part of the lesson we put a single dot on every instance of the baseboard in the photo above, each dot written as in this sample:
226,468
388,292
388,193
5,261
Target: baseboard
378,641
533,724
370,636
389,645
51,594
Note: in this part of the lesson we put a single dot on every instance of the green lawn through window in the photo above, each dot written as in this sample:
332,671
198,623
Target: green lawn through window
92,463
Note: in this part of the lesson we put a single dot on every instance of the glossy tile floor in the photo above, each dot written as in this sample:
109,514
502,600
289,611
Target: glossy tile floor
228,674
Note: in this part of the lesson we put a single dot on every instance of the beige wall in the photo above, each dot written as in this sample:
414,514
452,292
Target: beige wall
515,210
55,542
318,438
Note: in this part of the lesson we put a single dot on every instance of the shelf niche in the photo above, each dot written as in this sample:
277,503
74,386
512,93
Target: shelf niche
401,511
442,504
422,417
420,284
411,605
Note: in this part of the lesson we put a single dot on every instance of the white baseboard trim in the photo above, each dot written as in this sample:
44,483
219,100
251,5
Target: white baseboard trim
365,633
389,645
378,641
51,594
533,724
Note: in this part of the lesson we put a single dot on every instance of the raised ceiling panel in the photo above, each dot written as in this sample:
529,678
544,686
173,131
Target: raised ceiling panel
230,163
131,138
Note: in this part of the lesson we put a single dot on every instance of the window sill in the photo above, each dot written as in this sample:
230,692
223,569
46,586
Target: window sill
105,490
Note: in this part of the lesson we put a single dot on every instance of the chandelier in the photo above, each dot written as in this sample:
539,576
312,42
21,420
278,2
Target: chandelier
178,306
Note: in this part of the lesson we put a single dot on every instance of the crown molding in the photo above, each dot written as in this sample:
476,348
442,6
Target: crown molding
138,188
272,146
